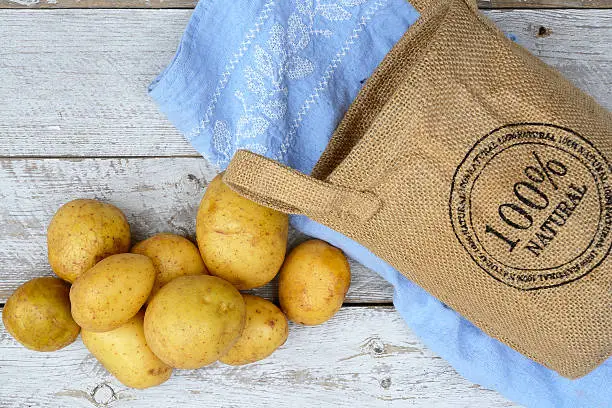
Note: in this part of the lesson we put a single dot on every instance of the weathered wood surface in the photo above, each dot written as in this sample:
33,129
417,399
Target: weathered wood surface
77,88
378,363
156,194
191,3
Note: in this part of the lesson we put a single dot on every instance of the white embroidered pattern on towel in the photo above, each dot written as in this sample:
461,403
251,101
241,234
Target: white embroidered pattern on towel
231,66
327,75
276,63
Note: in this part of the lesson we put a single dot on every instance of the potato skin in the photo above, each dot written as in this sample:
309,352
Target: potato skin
112,292
125,354
82,233
313,282
38,316
266,329
240,241
172,256
193,320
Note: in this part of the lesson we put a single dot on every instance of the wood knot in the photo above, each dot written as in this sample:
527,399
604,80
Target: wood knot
374,346
385,383
201,184
103,394
543,32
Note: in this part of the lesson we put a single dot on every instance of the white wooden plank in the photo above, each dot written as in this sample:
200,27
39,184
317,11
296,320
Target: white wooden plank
157,195
76,85
364,357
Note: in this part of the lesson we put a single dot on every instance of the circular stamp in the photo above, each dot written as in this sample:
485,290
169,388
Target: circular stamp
532,205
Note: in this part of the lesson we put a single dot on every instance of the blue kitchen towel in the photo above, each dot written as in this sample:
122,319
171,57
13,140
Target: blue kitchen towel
276,77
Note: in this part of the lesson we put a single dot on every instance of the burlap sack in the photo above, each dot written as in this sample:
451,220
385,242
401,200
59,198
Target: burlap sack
479,173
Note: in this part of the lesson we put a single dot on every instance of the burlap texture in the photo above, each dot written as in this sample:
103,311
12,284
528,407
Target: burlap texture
480,174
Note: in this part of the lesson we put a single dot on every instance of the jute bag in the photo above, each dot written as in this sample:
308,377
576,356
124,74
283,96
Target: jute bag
480,174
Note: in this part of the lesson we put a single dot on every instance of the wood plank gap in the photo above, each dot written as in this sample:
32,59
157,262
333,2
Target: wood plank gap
366,304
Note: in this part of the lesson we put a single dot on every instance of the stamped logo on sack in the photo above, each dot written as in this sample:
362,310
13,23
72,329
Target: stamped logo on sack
532,205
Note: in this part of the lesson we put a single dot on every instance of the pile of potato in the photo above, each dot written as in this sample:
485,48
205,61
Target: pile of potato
166,303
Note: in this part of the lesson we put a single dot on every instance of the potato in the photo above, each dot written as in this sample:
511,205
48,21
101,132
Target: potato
38,315
112,292
125,354
172,256
240,241
313,282
82,233
266,329
193,320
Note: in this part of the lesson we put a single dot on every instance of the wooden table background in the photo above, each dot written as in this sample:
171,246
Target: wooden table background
75,121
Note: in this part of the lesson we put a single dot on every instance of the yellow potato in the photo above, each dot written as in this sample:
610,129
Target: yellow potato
82,233
173,256
266,329
112,292
193,320
38,315
125,354
240,241
313,282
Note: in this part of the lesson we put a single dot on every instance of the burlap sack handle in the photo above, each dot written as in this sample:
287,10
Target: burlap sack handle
279,187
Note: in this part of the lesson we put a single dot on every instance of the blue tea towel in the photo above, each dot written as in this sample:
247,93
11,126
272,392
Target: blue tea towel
276,77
